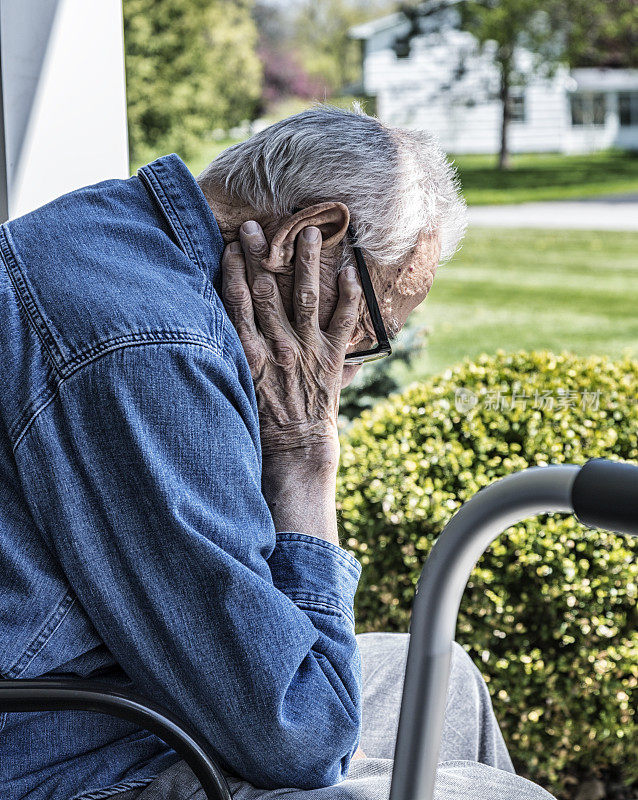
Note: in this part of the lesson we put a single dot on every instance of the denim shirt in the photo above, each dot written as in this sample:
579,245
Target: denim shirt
136,546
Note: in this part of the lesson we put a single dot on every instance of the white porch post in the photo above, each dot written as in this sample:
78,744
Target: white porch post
62,99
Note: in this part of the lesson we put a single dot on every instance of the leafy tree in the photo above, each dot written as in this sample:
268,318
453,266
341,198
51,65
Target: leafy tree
321,36
512,24
191,67
601,33
574,32
284,74
285,77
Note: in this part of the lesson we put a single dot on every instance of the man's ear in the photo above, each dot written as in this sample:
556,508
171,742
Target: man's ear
332,219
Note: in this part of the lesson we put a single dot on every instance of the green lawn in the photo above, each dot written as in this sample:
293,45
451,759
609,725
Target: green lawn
511,289
547,177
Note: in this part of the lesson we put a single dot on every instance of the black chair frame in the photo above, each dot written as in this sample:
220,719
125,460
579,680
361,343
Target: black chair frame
74,695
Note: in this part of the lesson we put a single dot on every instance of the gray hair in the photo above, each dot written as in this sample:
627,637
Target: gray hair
396,183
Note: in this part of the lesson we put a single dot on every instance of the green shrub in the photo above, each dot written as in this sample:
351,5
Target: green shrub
549,613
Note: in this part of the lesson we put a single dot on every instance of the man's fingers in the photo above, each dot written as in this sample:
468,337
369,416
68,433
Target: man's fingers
346,314
306,292
239,304
269,308
255,247
235,292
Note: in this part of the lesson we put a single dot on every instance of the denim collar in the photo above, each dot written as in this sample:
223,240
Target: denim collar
187,212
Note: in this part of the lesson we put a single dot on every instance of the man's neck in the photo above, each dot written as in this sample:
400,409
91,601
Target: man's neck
229,213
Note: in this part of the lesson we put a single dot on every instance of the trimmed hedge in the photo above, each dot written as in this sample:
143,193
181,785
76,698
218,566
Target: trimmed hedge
549,614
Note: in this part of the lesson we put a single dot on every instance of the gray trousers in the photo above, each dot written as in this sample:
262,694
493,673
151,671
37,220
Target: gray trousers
473,760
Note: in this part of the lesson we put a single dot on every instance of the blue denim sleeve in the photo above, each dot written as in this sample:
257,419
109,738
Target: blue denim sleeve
145,480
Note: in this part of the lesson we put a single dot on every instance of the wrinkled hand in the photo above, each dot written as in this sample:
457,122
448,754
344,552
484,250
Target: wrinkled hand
296,367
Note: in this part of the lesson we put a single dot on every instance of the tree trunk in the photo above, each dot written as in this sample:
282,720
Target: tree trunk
504,155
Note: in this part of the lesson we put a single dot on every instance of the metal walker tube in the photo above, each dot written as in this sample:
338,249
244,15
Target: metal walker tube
471,530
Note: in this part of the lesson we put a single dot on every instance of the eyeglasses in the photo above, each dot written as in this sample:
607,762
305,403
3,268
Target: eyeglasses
382,348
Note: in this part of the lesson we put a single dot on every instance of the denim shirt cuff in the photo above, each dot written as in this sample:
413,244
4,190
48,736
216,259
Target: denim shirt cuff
316,575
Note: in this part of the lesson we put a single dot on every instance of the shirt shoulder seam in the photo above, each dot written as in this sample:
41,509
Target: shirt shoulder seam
148,176
132,340
28,302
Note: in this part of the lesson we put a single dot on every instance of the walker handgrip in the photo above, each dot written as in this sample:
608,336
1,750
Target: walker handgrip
605,495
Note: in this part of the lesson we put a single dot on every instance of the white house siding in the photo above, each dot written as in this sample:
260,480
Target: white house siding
548,117
627,138
424,91
587,138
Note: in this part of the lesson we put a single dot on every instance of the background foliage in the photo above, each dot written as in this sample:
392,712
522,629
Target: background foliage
600,33
198,67
321,37
549,614
191,67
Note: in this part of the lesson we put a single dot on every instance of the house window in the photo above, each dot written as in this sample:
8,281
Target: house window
628,108
517,107
588,108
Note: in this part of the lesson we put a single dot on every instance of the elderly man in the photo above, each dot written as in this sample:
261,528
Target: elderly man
169,452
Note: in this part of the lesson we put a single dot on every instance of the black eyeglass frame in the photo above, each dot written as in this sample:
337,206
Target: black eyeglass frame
383,347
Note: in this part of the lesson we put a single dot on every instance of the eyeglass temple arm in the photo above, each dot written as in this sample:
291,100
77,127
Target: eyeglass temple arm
383,343
366,283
